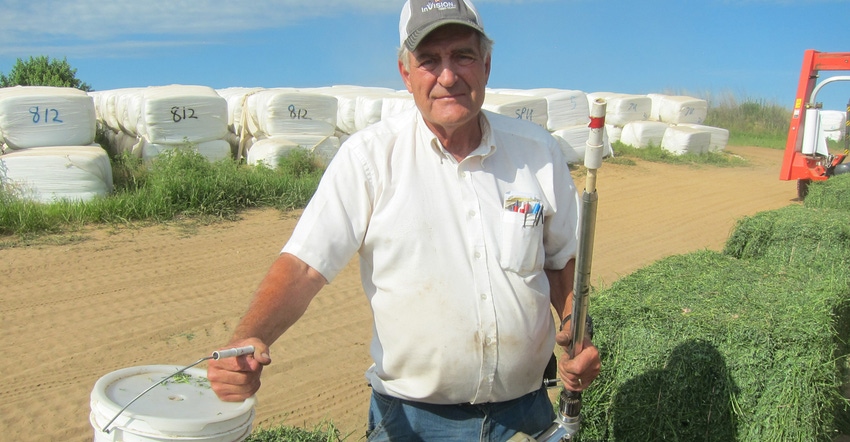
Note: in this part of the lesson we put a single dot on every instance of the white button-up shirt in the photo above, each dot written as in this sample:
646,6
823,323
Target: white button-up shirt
451,254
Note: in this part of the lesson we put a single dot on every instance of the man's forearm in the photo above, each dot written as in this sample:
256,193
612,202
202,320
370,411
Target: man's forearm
280,300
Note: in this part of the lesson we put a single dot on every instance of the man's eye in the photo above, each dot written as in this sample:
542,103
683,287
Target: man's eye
427,63
465,60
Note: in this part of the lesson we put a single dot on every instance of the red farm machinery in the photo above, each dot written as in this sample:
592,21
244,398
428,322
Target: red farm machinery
807,157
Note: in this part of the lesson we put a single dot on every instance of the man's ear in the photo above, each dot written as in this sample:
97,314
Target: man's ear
405,75
487,69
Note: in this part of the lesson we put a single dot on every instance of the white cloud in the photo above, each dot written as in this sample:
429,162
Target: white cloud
81,27
48,22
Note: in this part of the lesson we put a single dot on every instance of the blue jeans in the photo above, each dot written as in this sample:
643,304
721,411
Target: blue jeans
398,420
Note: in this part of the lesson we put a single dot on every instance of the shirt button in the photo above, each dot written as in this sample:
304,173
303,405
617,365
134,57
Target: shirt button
471,213
488,341
477,255
483,296
463,174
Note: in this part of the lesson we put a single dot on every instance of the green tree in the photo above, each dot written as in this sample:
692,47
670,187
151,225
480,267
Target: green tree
42,71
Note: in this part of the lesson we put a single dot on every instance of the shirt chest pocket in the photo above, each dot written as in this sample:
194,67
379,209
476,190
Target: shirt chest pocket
521,243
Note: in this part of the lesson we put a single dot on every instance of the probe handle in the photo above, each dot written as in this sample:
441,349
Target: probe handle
232,352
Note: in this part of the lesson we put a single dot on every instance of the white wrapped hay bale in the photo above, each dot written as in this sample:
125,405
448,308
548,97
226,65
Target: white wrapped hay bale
614,133
642,134
678,109
269,151
396,104
39,116
623,108
236,98
272,148
106,103
529,108
368,108
346,96
50,173
120,143
832,120
283,111
324,147
565,108
833,124
179,113
719,136
682,139
213,150
573,141
129,108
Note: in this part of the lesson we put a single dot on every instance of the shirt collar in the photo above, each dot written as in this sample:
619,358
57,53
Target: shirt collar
485,149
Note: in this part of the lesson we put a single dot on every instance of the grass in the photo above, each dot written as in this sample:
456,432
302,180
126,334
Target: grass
624,153
750,122
178,184
325,432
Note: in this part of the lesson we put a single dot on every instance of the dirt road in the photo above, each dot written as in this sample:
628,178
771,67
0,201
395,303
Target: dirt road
119,297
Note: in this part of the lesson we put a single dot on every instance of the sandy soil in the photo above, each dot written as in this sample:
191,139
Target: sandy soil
110,298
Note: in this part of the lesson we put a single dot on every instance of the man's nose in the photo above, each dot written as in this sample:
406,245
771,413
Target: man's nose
447,77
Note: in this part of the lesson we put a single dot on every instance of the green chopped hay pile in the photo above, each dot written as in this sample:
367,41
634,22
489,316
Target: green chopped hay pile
750,344
833,193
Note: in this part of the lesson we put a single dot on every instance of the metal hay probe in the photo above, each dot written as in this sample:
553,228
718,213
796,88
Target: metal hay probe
566,424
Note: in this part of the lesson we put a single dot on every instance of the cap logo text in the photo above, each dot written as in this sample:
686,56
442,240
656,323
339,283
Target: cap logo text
439,6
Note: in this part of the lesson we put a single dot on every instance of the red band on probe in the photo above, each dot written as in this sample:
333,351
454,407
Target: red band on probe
596,123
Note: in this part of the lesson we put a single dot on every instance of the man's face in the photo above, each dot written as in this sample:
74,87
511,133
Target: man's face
447,76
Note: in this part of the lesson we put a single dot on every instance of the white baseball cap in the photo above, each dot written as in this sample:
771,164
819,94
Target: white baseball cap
420,17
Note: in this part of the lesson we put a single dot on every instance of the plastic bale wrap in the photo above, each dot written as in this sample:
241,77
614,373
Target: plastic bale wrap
623,108
614,133
111,109
284,111
833,124
705,346
573,142
678,109
346,96
683,140
719,136
39,116
213,150
368,108
565,108
269,151
180,113
48,174
236,98
831,120
529,108
128,109
642,134
397,104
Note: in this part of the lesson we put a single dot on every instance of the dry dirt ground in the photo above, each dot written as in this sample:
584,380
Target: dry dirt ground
73,311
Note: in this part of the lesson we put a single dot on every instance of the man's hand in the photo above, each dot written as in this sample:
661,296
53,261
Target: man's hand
237,379
578,372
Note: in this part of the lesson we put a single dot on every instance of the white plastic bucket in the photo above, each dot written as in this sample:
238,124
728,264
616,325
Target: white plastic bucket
184,408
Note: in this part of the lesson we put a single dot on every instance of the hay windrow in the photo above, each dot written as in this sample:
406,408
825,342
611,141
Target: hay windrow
794,235
708,347
833,193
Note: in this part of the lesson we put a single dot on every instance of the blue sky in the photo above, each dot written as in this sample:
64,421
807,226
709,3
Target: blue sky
745,49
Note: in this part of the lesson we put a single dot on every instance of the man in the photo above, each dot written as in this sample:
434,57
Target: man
465,224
